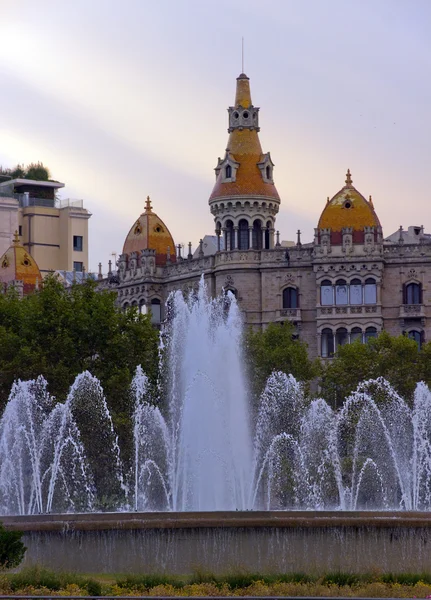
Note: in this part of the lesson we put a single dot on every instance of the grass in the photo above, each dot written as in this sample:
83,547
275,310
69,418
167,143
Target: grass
38,581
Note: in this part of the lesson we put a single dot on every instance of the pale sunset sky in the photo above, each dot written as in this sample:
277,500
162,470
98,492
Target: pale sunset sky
125,98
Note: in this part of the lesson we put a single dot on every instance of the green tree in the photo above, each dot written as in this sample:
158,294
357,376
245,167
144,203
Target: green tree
397,359
37,171
276,349
59,333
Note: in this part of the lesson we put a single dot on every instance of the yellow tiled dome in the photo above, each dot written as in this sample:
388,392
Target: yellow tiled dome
150,232
16,264
348,208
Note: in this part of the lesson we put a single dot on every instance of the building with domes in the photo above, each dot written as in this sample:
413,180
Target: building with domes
348,283
19,269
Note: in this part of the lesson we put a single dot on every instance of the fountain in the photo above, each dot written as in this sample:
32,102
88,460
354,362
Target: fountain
208,487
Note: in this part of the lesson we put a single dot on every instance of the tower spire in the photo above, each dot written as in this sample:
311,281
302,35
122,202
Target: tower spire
348,178
242,54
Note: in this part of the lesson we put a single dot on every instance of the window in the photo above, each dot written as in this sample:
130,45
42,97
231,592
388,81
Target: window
230,236
228,172
156,312
267,232
355,291
77,243
326,293
20,230
370,332
268,172
243,241
327,342
370,291
356,334
78,266
341,294
417,337
413,294
341,337
257,235
290,298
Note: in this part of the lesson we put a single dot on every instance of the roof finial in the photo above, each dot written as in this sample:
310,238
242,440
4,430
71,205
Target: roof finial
148,207
371,201
242,54
16,237
348,178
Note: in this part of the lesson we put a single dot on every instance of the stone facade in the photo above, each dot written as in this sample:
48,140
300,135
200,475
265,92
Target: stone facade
348,283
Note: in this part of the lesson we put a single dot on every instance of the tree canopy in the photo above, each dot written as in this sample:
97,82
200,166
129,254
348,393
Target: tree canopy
277,349
36,171
396,358
59,333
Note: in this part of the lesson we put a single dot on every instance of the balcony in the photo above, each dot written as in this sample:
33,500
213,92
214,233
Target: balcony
335,312
288,314
412,311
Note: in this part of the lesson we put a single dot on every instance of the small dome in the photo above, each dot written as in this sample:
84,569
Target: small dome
348,208
150,232
16,264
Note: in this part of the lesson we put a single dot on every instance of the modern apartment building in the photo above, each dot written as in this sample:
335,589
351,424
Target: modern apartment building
53,231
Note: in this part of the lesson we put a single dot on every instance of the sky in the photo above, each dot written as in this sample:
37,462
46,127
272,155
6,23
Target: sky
124,99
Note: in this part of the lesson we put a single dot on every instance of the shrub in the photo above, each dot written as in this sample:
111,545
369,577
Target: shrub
12,549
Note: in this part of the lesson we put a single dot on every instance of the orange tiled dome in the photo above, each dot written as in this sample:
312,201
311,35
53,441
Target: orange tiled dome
244,147
348,208
150,232
16,264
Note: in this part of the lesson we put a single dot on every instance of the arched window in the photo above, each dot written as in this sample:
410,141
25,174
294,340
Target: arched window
327,342
257,235
228,172
370,332
267,233
243,241
413,294
417,337
126,305
230,236
326,293
142,307
341,293
341,337
156,311
370,291
355,291
290,298
268,172
356,334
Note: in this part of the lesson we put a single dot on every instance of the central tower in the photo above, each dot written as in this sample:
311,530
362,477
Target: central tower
244,201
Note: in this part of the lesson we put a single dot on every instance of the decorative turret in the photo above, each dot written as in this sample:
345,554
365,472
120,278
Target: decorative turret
148,233
18,268
349,218
244,201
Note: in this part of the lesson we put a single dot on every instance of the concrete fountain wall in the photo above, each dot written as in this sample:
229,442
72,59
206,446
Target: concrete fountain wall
221,542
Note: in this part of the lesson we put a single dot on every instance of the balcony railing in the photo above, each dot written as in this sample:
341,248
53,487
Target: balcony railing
288,314
412,311
70,202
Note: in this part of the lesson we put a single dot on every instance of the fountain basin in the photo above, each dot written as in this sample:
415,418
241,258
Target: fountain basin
224,542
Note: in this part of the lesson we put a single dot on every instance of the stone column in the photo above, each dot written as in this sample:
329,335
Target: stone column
263,238
236,245
224,230
218,239
250,238
271,237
